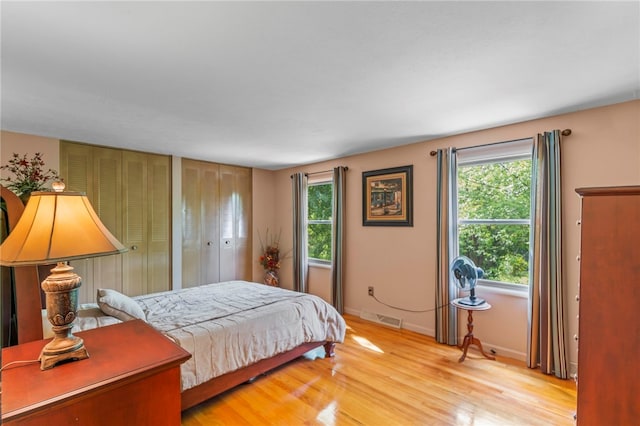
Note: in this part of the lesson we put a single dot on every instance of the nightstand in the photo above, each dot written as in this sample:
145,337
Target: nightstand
132,376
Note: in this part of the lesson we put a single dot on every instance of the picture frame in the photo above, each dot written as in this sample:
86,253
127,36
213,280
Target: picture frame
387,197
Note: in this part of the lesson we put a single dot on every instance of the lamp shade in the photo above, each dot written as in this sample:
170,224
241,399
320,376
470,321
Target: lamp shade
57,227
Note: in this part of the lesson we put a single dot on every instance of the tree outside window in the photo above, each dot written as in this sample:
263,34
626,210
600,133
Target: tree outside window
319,221
494,204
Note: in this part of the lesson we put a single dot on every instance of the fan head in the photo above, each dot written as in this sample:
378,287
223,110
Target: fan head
465,274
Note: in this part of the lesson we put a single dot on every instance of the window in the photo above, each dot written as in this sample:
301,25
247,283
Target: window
319,221
494,210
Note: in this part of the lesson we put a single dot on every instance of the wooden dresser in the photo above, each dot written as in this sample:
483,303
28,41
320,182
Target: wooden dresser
609,326
132,377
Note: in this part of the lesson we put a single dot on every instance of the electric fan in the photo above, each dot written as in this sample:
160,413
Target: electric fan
465,275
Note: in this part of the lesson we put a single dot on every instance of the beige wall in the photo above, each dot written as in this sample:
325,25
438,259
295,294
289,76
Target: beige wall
603,150
19,143
264,214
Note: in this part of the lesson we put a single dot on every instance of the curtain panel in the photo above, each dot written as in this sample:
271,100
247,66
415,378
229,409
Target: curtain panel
337,261
299,251
546,346
447,247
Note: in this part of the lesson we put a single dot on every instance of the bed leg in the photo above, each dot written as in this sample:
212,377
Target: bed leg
329,349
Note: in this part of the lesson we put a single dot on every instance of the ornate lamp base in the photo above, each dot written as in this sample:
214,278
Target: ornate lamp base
50,357
61,289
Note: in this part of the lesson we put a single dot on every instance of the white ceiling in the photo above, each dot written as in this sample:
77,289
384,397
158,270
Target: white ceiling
277,84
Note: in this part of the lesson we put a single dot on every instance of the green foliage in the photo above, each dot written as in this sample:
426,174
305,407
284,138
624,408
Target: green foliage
496,191
320,201
319,241
320,208
27,174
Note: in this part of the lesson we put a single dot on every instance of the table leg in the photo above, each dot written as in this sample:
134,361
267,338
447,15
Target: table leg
469,340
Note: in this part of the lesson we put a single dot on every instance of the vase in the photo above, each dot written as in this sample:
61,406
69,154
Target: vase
271,277
25,197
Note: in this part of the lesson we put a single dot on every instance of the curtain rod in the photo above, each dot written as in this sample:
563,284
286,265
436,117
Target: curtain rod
565,132
322,171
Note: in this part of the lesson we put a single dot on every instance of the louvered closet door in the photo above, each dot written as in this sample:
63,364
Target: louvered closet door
96,172
235,224
159,220
135,223
107,202
131,193
210,247
147,201
76,164
200,231
191,213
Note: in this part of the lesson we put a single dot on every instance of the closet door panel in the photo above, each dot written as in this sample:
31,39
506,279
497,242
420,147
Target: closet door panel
227,224
210,248
106,199
235,223
97,172
191,219
76,165
135,224
159,217
200,229
243,208
216,223
131,193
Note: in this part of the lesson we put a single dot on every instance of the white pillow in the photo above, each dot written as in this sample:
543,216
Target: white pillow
118,305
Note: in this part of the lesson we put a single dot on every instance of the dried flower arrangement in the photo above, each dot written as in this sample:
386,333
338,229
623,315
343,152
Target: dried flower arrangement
270,253
29,175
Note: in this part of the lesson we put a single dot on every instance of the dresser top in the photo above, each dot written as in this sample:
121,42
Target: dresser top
117,354
610,190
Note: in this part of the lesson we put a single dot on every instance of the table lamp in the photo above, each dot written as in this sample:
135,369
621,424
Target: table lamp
57,227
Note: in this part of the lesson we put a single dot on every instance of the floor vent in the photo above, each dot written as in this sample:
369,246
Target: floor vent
381,319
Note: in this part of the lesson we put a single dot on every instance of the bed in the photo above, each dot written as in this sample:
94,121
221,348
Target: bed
234,330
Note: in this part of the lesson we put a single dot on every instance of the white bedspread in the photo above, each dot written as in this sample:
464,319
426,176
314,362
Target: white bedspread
229,325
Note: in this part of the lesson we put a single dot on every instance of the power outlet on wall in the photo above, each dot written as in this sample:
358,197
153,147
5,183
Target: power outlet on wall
370,291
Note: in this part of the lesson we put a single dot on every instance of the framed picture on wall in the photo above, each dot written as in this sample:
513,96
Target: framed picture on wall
387,197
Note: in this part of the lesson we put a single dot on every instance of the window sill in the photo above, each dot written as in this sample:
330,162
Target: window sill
321,265
520,293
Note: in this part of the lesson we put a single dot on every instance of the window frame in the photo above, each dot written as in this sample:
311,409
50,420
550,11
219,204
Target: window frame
500,152
314,260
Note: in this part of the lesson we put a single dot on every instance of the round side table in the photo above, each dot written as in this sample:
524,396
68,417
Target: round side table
469,339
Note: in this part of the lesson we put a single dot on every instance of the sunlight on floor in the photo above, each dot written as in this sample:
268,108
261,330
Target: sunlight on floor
365,343
465,418
328,415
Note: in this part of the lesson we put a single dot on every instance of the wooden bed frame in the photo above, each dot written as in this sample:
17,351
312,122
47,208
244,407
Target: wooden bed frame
28,301
217,385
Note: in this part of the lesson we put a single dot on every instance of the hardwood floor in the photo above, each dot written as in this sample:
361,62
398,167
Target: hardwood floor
384,376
